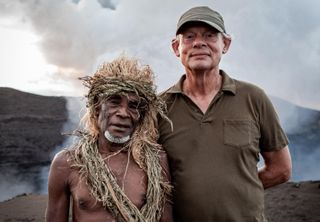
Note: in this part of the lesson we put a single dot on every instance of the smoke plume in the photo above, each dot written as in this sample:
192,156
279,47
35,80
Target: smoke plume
275,44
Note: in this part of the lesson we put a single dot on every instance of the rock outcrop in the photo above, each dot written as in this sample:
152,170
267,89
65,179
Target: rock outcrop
30,129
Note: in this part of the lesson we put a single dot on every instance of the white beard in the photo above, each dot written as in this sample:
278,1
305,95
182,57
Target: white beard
117,140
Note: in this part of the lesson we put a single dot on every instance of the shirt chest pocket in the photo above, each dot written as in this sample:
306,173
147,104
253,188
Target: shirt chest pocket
237,132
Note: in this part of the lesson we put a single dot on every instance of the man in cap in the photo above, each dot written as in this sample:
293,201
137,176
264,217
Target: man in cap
116,171
220,125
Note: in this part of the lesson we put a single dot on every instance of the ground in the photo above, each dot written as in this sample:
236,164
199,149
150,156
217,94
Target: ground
289,202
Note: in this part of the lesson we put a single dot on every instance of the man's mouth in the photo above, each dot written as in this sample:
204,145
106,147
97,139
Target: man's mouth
199,54
121,126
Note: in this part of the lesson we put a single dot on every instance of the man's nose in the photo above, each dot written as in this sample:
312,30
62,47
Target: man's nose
199,41
123,111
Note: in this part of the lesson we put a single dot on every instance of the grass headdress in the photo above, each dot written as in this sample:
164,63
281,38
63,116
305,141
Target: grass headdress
123,76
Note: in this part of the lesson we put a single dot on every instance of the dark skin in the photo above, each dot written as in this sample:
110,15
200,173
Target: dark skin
119,115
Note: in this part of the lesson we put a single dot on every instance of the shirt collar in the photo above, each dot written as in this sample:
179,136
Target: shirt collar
228,84
177,88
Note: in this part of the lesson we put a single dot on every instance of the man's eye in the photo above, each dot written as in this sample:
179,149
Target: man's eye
114,102
188,36
211,36
133,105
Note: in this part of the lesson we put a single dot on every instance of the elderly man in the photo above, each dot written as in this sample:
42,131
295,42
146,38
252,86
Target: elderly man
220,125
116,171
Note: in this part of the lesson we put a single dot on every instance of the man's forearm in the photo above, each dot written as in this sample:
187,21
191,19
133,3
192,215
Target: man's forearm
277,168
270,178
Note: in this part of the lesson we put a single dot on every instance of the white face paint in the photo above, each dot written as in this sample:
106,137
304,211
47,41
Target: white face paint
117,140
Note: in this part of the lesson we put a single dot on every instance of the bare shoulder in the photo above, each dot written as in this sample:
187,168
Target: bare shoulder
61,158
61,162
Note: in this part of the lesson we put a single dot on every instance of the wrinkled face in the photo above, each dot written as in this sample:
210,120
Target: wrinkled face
119,115
200,47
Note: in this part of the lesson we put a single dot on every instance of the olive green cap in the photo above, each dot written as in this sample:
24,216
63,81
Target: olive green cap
202,14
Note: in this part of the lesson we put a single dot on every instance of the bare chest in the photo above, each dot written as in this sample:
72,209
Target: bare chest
129,177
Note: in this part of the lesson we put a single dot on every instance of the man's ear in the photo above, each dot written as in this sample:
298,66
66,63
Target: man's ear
175,46
227,43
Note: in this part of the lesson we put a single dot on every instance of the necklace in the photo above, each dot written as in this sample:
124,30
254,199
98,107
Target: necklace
117,172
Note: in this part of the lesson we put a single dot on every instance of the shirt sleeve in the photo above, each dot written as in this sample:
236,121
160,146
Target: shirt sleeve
273,136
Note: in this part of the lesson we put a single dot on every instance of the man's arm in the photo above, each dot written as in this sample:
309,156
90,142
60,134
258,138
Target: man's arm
58,189
277,168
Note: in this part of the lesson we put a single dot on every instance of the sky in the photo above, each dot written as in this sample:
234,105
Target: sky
45,45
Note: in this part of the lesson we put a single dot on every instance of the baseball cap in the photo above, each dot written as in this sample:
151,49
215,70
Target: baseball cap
202,14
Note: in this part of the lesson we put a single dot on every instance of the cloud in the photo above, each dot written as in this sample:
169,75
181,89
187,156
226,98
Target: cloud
275,44
107,4
72,35
277,48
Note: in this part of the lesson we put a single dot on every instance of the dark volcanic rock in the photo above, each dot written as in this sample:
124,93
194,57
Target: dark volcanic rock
30,129
293,202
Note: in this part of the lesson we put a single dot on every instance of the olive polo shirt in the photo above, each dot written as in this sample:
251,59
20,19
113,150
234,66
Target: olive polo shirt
213,156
